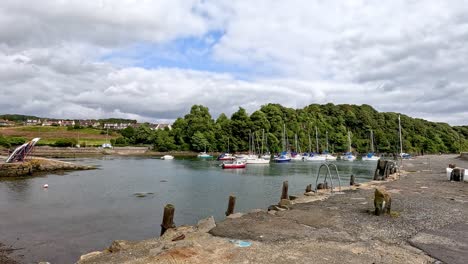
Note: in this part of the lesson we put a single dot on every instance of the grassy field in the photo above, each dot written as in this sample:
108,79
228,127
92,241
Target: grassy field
49,135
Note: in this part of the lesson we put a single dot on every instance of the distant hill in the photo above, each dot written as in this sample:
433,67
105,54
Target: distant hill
22,118
18,118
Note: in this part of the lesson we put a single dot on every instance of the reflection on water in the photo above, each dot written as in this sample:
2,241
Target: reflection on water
85,210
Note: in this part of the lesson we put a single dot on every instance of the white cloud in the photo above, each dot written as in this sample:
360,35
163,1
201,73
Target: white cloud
406,56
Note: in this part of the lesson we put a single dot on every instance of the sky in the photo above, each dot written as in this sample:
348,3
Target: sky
153,60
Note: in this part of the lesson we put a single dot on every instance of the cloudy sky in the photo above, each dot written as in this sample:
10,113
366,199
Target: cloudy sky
152,60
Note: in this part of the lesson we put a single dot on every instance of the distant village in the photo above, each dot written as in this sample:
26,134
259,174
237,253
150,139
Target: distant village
82,123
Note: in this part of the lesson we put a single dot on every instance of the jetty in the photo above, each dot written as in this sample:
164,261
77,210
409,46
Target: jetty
428,222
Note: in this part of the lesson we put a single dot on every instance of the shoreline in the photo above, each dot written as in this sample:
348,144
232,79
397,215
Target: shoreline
34,166
342,224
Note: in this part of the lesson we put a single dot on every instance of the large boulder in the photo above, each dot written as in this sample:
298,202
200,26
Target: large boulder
382,201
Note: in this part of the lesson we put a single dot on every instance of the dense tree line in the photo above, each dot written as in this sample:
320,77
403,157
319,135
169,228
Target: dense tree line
198,130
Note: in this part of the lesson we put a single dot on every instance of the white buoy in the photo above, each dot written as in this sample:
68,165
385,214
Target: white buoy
45,186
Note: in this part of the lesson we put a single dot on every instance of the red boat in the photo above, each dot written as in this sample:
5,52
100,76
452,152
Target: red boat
235,165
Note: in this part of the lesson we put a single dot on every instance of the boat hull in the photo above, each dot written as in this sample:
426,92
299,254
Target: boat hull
258,161
234,166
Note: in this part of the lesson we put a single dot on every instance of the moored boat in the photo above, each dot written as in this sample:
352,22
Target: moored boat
167,157
226,156
315,157
370,157
282,158
204,155
257,161
237,164
348,156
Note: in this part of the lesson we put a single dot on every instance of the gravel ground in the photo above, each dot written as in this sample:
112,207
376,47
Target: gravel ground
422,200
4,252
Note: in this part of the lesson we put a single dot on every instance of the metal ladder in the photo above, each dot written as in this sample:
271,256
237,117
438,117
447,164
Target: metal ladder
328,174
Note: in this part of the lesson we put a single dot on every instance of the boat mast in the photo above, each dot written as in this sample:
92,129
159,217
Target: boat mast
316,140
326,136
399,129
349,140
263,138
228,145
284,137
295,142
372,140
310,145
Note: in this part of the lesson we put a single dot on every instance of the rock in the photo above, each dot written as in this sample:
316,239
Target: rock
292,197
285,203
256,210
174,232
320,186
458,174
205,225
156,251
272,212
382,201
235,215
119,245
452,166
90,255
275,208
309,193
44,262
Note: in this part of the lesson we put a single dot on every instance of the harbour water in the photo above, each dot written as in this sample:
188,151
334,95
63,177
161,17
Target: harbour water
83,211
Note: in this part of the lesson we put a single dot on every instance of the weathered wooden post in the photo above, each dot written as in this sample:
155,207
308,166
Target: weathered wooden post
352,180
231,205
284,193
168,218
308,188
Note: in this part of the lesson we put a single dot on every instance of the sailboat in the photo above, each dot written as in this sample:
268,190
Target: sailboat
226,155
402,154
349,155
265,155
315,156
204,155
371,156
284,157
327,155
253,158
297,155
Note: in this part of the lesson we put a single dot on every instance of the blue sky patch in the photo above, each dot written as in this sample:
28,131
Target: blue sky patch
194,53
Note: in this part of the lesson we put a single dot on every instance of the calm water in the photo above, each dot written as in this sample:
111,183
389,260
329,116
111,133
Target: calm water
86,210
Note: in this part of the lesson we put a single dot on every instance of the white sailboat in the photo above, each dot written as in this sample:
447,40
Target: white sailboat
371,156
327,155
284,157
402,154
253,158
298,156
316,156
349,155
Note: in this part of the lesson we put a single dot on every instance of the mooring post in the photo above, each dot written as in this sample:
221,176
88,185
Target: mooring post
308,188
168,218
284,193
231,205
352,180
